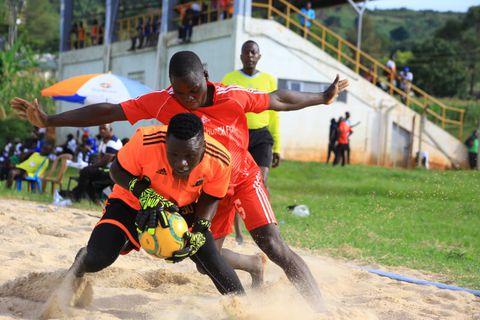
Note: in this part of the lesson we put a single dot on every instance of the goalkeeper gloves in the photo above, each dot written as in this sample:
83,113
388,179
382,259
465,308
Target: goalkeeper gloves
153,206
194,241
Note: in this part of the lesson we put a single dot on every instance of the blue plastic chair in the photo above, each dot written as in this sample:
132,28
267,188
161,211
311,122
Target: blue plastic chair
35,182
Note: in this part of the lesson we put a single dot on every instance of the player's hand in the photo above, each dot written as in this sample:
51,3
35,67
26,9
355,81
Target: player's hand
337,86
275,160
31,111
154,211
194,241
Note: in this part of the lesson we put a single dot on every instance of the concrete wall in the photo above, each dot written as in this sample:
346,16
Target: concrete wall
286,55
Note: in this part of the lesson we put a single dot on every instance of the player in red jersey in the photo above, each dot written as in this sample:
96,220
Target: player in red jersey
222,110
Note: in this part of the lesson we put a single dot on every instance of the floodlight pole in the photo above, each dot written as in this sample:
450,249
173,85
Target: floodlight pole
360,10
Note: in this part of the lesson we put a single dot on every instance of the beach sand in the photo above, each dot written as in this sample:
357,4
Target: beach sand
39,243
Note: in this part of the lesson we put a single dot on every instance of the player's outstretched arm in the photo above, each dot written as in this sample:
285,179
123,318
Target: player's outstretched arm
91,115
288,100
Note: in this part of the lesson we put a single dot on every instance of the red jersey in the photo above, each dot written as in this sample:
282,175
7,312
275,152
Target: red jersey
225,120
344,131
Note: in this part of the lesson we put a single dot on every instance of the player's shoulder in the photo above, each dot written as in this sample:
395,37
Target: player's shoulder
216,151
150,134
232,90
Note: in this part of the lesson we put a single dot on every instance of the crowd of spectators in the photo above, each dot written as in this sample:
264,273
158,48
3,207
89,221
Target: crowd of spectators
91,159
84,36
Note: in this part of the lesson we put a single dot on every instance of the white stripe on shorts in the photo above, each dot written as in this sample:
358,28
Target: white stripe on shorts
263,198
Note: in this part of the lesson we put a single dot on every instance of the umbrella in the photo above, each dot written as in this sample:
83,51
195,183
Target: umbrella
96,88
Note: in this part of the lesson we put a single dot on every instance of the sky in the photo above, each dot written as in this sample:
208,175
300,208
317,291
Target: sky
437,5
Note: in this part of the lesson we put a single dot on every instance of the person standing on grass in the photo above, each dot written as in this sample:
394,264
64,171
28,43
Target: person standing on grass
264,127
344,132
332,139
222,110
472,147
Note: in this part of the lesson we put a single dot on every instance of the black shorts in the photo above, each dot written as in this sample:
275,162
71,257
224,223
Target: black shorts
120,214
260,146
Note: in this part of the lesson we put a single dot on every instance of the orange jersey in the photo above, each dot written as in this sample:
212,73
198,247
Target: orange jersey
225,120
344,132
146,155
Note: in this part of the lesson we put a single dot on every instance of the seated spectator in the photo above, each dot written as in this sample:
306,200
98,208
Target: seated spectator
70,146
5,155
99,171
29,167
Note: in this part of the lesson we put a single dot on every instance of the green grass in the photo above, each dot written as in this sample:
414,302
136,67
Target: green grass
427,220
418,219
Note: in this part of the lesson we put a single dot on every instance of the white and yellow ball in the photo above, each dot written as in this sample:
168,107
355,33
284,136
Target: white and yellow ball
165,240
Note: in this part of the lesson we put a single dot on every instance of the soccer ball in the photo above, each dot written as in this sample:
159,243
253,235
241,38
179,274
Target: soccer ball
165,240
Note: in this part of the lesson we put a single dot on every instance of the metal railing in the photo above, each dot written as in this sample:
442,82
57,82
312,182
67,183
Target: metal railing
126,28
362,63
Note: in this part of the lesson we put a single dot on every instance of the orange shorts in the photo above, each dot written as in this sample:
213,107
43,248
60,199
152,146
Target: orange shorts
250,199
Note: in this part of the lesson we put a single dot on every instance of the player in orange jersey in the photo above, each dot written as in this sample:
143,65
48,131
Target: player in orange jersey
164,169
222,110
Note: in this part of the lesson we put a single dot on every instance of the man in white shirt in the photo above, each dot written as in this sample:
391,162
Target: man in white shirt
100,170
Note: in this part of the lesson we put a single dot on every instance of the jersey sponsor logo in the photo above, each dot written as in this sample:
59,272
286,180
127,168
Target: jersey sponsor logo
221,131
204,119
162,171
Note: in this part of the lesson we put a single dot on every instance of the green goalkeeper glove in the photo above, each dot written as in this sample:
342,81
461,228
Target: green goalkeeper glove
194,240
153,206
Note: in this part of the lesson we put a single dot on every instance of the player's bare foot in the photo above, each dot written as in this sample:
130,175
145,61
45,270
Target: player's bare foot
257,275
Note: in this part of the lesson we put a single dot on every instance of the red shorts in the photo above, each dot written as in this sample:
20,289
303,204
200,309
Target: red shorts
250,199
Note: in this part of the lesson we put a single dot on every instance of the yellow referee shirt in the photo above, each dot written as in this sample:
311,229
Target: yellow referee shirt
261,81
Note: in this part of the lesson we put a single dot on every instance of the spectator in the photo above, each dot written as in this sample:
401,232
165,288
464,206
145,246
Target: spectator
472,147
137,34
309,13
391,73
100,170
94,32
100,33
147,32
344,131
332,139
225,8
29,167
187,26
370,75
70,146
74,36
407,80
81,35
5,155
349,123
196,11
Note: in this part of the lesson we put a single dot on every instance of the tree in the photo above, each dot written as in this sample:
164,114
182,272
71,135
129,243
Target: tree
399,34
437,68
42,25
372,42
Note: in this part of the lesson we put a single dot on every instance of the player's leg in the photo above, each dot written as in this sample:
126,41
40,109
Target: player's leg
109,236
221,227
238,229
209,260
268,239
261,222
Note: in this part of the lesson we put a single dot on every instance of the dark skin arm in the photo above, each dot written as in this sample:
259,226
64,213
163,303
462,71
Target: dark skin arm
205,207
91,115
289,100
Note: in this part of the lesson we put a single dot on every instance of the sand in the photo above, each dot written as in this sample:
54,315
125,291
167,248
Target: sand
40,241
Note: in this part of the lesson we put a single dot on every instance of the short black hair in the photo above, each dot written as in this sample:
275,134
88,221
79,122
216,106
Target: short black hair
184,63
250,42
185,126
